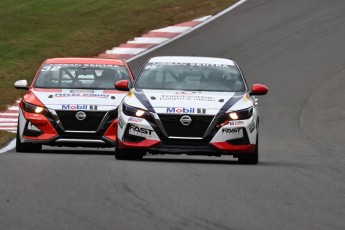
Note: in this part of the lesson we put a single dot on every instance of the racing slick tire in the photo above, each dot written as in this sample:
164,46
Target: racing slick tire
126,154
253,158
26,147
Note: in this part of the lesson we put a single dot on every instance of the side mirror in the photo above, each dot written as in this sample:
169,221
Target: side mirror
122,85
258,89
21,84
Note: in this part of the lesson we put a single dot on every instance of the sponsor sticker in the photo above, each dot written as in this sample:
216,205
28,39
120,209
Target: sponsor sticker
135,119
79,107
237,132
184,97
236,122
185,110
187,92
56,67
81,91
138,131
251,126
98,95
152,65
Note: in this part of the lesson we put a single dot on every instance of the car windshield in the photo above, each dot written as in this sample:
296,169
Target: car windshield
190,76
80,76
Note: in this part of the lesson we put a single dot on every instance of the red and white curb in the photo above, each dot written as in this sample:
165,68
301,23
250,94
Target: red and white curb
151,39
9,118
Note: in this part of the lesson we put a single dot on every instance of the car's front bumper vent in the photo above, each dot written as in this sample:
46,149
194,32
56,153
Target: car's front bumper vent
175,128
90,123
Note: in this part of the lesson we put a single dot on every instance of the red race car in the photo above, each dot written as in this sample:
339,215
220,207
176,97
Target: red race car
72,102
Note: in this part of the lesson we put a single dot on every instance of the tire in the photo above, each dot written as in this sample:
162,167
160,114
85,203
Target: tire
127,154
251,158
26,147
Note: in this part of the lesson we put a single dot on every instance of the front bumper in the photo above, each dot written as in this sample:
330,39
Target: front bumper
230,139
49,130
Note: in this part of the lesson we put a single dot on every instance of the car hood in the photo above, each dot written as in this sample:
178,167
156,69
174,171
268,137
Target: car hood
187,102
79,99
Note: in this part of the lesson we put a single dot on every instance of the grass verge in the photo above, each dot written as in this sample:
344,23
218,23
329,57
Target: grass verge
33,30
5,137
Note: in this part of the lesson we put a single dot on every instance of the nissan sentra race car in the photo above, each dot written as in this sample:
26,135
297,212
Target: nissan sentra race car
72,102
192,105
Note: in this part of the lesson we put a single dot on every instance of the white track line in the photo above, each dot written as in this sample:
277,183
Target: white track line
189,31
202,19
8,147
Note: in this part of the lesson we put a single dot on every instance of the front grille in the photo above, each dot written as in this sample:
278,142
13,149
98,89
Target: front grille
197,127
90,123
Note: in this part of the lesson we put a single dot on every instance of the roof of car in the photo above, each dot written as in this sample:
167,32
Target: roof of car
84,61
192,59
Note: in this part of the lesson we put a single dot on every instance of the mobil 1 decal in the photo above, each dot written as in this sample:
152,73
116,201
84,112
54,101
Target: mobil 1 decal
79,107
183,110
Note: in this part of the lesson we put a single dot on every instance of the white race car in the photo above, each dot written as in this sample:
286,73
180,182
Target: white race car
190,105
72,102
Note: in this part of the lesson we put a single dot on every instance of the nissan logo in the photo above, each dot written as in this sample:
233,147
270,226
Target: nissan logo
80,115
186,120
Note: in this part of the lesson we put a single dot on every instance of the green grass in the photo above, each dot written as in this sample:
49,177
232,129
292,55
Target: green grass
33,30
5,137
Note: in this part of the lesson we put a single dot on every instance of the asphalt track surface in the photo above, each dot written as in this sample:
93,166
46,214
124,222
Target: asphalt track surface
295,47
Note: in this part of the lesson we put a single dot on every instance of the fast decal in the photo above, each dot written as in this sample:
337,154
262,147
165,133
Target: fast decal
236,122
79,107
135,119
120,122
186,110
137,131
184,97
251,126
82,95
238,132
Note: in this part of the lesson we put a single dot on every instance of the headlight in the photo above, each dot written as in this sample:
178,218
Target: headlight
30,108
241,114
234,115
135,112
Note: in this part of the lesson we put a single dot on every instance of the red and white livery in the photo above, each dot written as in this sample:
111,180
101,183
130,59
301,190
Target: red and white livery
71,102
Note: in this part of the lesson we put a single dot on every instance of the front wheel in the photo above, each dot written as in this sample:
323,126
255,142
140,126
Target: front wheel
127,154
251,158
